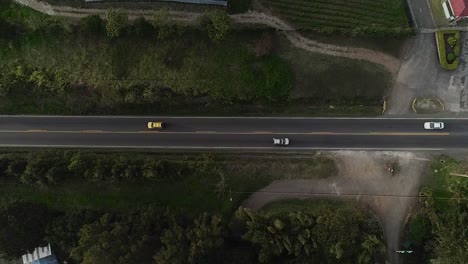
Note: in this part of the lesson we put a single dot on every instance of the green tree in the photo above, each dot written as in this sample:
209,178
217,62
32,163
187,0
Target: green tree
449,223
115,239
327,234
217,24
419,230
44,168
191,244
117,23
22,228
63,232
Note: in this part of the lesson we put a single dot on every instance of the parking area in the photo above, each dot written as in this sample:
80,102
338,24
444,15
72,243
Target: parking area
421,76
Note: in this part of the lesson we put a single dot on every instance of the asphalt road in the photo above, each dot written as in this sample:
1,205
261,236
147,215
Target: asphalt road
230,133
421,13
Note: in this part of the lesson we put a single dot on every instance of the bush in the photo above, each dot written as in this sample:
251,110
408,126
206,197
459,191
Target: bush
452,41
117,23
448,61
451,57
217,24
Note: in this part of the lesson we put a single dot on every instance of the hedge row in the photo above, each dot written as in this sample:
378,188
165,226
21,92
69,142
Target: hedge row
448,60
50,167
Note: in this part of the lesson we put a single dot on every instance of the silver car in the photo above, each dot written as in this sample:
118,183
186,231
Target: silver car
281,141
433,125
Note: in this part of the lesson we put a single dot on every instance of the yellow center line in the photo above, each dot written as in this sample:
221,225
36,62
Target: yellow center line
410,133
232,133
92,131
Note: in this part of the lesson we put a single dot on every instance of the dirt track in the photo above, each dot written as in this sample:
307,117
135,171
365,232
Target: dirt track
361,177
391,63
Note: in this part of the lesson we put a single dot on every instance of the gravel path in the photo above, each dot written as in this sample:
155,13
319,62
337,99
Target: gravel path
361,177
391,63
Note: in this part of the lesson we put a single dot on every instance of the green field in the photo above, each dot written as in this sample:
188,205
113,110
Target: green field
341,15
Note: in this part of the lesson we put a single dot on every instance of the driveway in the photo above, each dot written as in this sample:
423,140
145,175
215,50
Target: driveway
421,76
421,13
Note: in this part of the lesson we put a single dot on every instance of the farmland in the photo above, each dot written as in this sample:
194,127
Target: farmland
344,16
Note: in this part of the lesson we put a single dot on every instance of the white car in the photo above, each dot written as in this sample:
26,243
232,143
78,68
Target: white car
433,125
281,141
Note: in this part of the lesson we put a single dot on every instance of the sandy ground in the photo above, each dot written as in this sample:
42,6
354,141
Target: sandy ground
361,176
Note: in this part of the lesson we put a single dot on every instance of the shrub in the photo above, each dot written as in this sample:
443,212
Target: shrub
452,41
451,57
217,24
117,23
448,61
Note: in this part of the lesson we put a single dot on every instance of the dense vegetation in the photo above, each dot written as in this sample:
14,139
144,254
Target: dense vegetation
111,65
438,231
155,235
181,212
189,183
357,17
159,66
295,231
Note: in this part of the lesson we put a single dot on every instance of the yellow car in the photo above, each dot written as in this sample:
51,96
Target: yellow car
155,125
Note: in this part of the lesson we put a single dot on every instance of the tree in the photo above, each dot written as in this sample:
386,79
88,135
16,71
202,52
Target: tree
114,239
22,228
191,244
44,168
449,223
328,233
63,232
117,23
217,24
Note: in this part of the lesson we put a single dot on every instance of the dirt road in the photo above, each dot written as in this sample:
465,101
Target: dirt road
361,177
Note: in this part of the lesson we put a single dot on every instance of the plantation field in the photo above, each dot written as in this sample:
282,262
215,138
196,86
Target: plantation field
339,15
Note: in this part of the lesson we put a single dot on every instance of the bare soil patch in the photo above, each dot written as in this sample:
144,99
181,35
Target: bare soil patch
365,177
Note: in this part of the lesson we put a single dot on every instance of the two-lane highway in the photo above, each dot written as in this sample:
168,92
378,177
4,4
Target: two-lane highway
230,132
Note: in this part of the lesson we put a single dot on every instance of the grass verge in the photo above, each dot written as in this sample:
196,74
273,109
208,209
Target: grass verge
438,13
360,83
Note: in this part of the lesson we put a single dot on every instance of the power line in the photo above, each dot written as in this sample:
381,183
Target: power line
354,195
